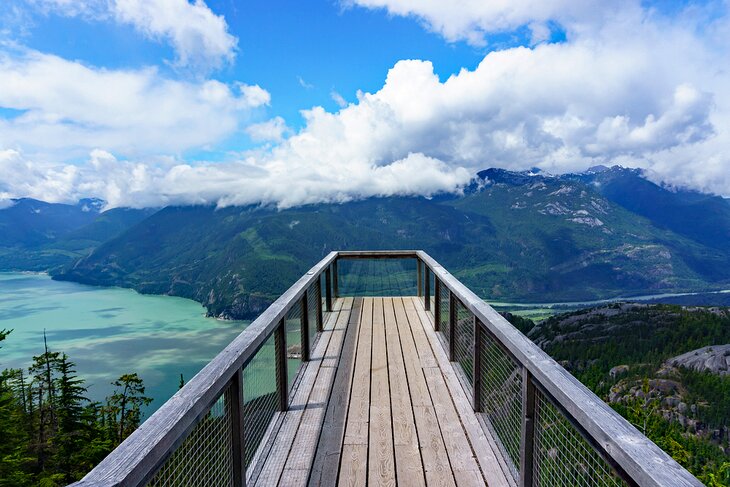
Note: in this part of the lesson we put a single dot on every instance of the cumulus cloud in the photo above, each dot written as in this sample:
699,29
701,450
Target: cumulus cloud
473,20
65,106
636,89
272,130
199,37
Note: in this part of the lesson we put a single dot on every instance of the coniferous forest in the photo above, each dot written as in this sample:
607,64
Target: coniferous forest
51,433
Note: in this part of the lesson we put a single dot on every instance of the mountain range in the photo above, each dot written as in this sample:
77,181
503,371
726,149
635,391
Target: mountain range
510,236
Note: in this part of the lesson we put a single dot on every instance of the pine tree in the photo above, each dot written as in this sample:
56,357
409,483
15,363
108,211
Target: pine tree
125,405
72,432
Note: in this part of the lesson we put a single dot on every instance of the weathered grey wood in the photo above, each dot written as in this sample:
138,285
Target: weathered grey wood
282,370
329,450
320,316
427,291
527,432
335,280
409,468
328,288
377,254
137,459
304,327
638,456
237,439
278,457
356,431
484,446
381,457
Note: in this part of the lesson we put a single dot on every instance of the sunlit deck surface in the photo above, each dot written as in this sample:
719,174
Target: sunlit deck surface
378,404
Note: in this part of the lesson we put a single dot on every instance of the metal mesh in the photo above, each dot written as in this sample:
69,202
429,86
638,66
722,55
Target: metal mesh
562,458
260,401
443,317
377,277
205,457
294,341
464,340
501,399
312,298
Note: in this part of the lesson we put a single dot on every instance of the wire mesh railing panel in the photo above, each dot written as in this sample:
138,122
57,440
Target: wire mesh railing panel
312,299
562,457
377,277
294,341
260,401
464,340
205,457
501,399
443,317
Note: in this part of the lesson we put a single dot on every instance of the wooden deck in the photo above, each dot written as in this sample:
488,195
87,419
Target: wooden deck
378,404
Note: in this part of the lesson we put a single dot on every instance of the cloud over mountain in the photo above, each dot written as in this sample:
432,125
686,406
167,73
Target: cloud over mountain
628,85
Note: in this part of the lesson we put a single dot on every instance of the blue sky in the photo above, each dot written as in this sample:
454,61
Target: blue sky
148,102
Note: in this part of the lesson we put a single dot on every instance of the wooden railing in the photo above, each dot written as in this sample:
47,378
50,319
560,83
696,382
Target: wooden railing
549,428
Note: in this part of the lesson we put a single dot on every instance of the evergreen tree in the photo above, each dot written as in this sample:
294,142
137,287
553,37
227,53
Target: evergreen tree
72,431
125,405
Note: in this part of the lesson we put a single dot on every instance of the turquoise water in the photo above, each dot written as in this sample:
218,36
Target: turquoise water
108,332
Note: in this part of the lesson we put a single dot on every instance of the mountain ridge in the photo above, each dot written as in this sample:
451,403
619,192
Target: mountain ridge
510,236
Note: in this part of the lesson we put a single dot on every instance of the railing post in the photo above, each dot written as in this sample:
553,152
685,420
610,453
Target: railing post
436,304
427,292
320,318
335,280
305,326
452,325
282,381
328,289
419,277
477,365
237,440
528,429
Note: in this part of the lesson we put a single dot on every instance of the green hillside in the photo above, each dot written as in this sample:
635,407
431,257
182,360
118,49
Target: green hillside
510,237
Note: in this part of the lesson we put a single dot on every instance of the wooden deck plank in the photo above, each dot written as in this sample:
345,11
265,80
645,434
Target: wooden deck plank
433,450
301,456
359,410
269,439
327,459
380,404
483,445
353,469
381,457
277,457
353,463
409,467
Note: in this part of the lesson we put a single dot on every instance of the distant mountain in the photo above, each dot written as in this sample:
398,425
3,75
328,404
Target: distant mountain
698,216
35,235
28,222
511,236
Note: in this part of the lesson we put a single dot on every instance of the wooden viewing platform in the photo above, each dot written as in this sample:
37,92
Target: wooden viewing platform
381,368
379,403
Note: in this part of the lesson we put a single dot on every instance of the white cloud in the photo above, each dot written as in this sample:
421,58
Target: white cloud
272,130
472,20
199,37
65,107
633,89
339,99
304,84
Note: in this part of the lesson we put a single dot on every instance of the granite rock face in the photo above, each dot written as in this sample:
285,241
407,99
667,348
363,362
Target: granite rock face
715,359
